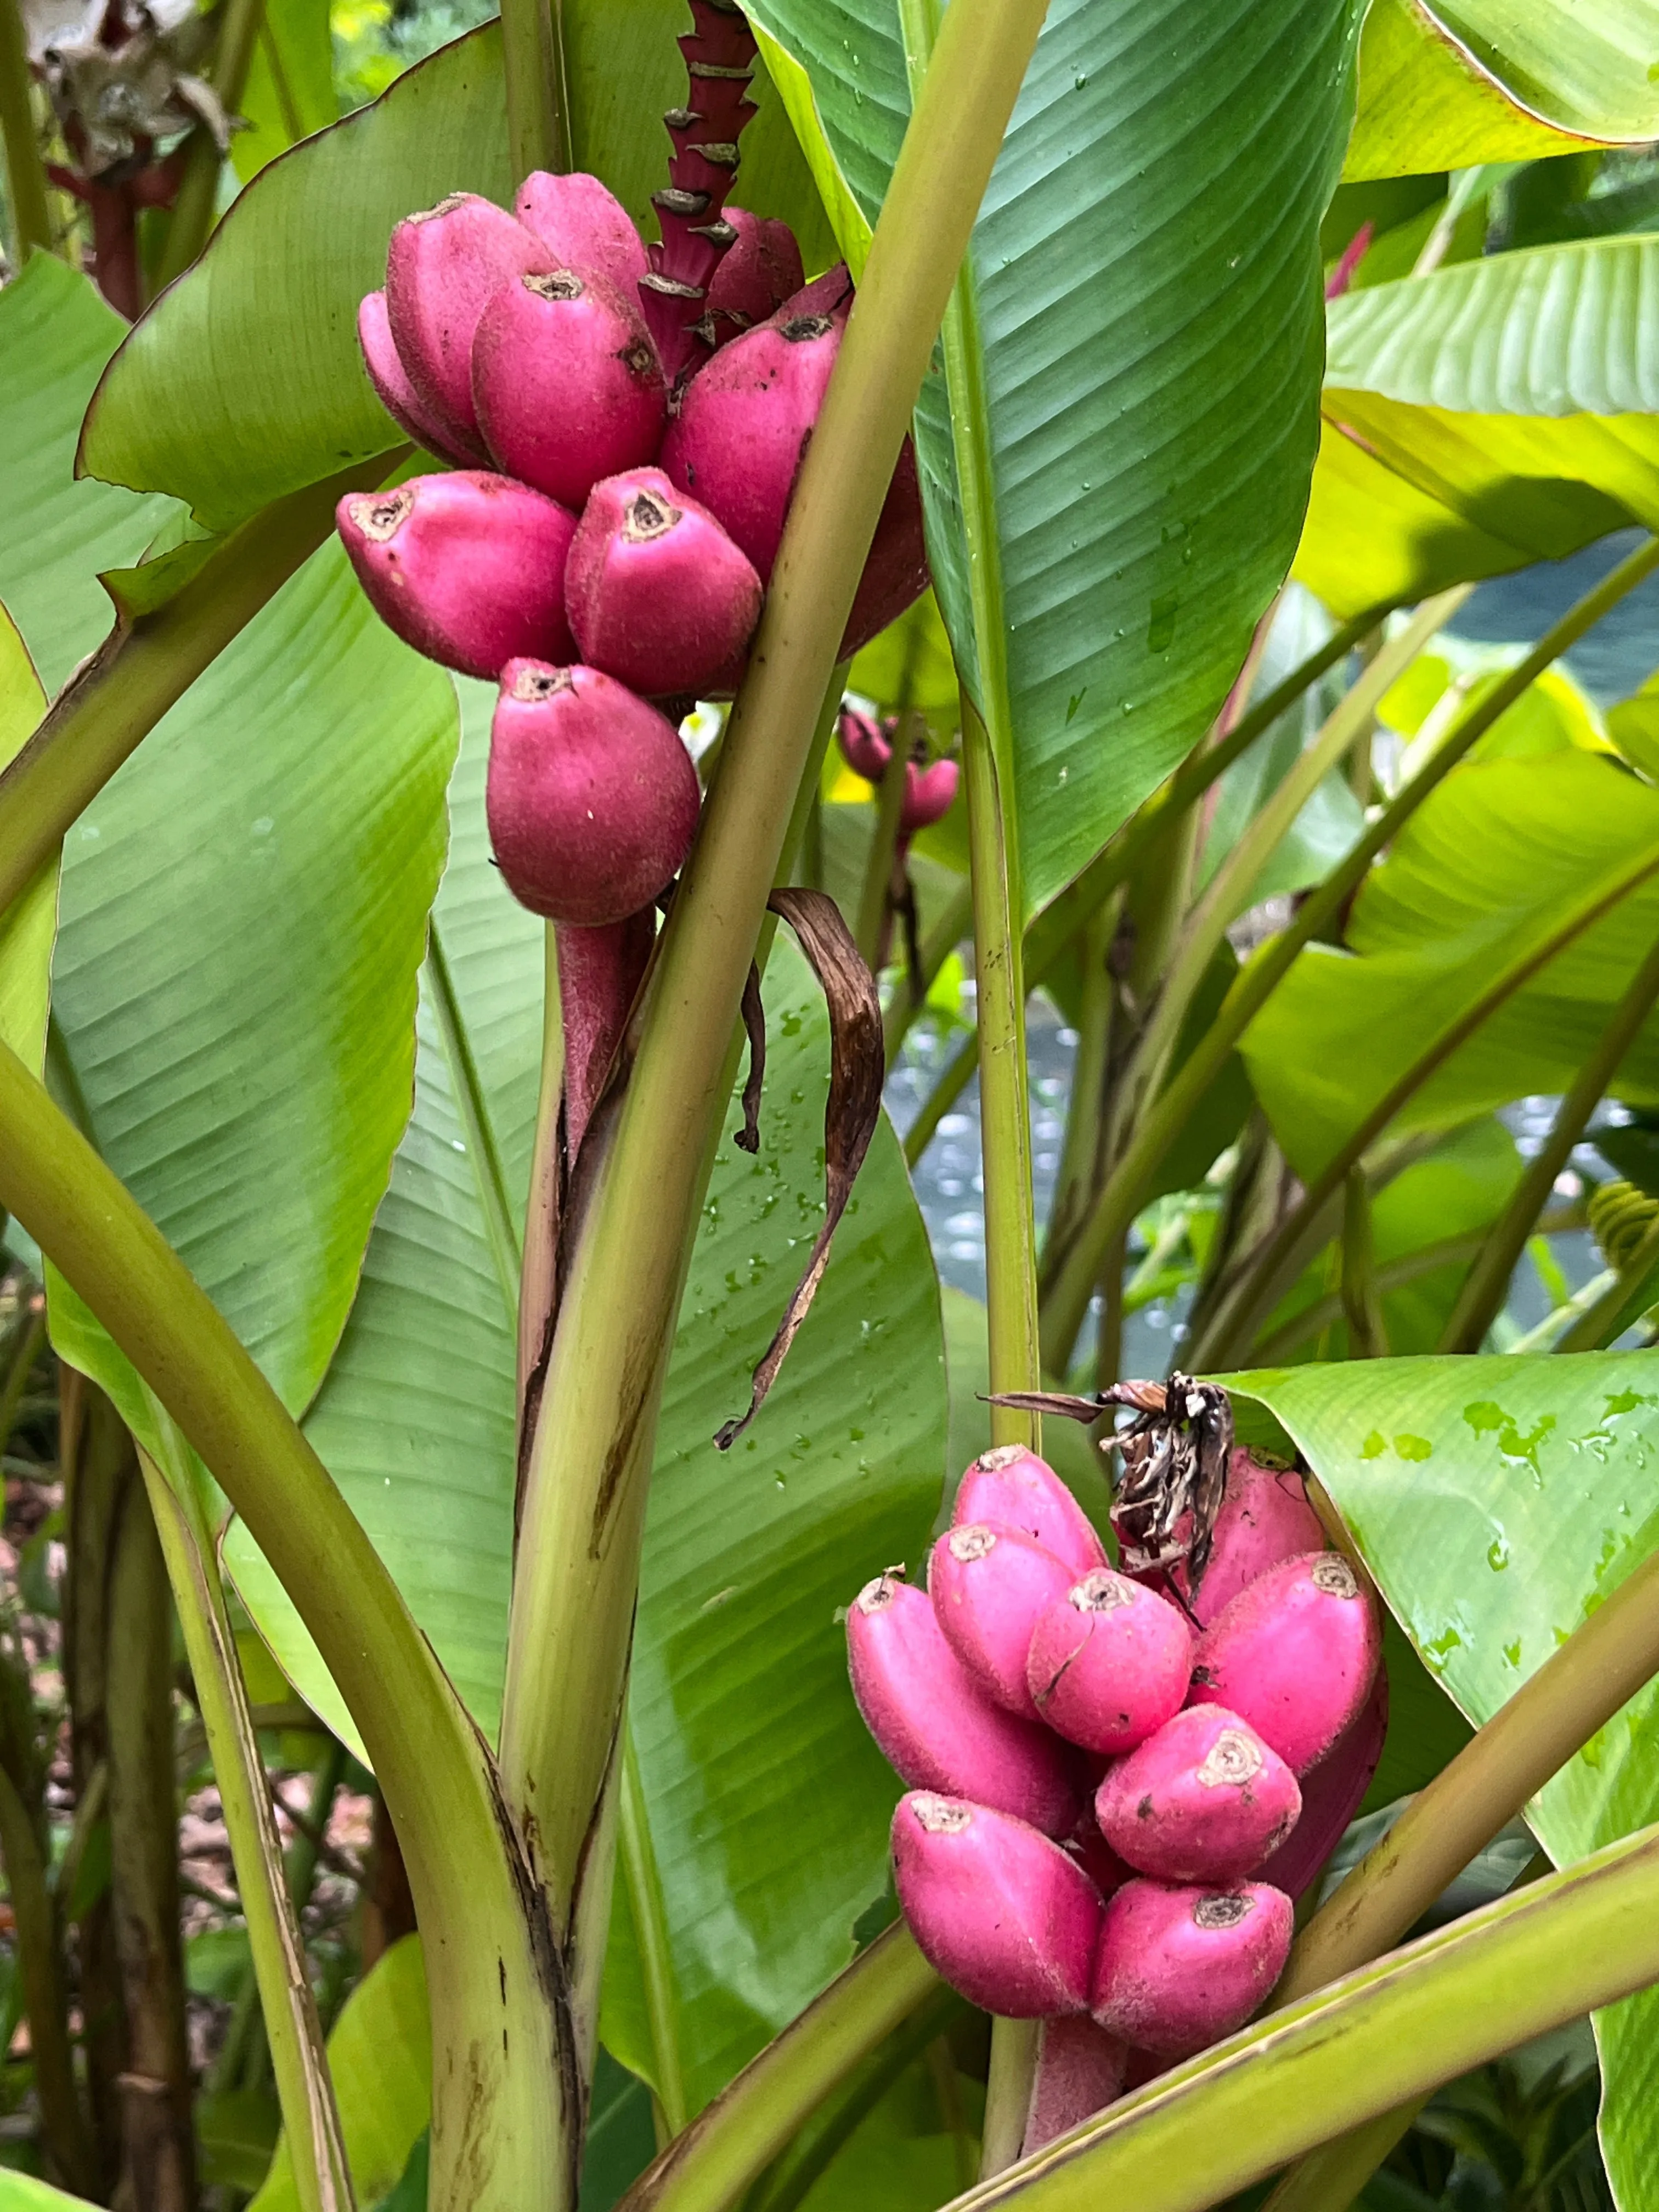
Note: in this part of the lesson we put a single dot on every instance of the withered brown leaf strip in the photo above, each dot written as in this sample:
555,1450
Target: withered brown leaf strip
754,1021
857,1064
1175,1464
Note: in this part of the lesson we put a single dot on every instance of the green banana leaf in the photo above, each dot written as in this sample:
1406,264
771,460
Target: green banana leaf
1146,269
1470,81
1504,853
56,335
739,1708
243,382
1502,411
243,915
379,2055
1498,1501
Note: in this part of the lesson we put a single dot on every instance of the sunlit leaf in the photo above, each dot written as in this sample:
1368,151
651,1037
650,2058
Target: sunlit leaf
1504,853
1468,81
290,83
379,2055
1498,1502
1492,414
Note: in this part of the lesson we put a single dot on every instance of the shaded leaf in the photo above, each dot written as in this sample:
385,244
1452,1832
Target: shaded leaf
290,83
1145,265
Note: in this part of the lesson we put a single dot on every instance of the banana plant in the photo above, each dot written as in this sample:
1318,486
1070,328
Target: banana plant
505,1367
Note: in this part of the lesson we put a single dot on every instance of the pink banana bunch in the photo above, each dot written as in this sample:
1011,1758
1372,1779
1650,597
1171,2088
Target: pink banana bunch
621,425
1115,1790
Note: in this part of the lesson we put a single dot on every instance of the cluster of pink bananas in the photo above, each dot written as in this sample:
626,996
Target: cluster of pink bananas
625,424
1117,1788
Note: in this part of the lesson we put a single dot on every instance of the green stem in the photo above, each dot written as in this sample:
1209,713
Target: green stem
955,920
1060,921
193,209
1393,2030
1234,1322
25,173
1079,1155
537,86
1275,1351
146,664
1481,1298
645,1898
322,2178
1605,1319
988,753
1329,2179
1121,1199
732,2142
17,1375
884,843
813,2148
488,1967
1003,1105
143,1832
38,1933
589,1463
1362,1301
1229,890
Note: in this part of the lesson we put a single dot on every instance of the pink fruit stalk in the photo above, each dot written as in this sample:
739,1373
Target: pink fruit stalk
1109,1663
399,396
657,593
929,795
583,227
720,54
1178,1969
1265,1518
1294,1654
468,568
1081,2069
568,387
761,272
600,971
1010,1487
1202,1799
591,798
442,268
996,1908
988,1586
935,1724
896,572
1332,1793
